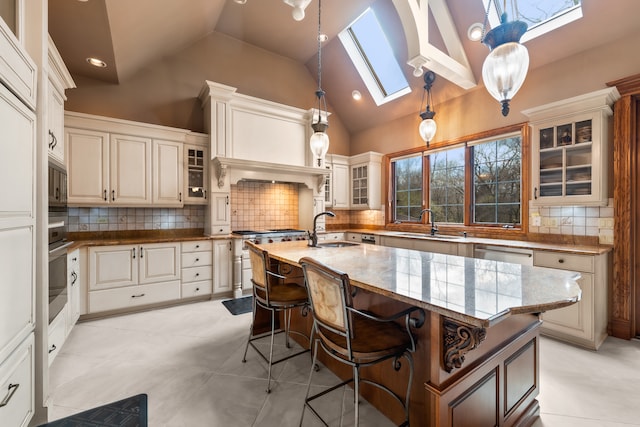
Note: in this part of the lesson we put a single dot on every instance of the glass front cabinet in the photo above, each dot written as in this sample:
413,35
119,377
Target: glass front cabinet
570,151
196,170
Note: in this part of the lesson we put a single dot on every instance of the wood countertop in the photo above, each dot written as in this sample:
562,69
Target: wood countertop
474,291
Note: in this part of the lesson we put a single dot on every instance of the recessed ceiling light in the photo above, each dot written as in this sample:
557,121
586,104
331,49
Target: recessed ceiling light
240,1
356,95
475,31
323,38
97,62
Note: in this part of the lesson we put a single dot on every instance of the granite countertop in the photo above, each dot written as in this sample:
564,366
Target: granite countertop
137,237
475,291
522,244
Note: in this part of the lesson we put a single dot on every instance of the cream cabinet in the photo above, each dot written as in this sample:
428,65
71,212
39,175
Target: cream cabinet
583,323
126,276
337,197
17,385
73,289
196,169
59,81
197,268
121,163
570,141
220,213
167,173
222,256
366,179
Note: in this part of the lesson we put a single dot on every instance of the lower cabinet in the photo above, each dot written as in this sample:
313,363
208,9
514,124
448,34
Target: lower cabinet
583,323
222,281
125,276
73,289
57,333
197,269
17,384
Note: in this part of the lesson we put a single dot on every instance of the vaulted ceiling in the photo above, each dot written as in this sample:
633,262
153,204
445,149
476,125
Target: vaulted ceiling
131,34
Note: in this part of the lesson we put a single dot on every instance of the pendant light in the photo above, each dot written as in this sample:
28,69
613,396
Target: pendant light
506,66
319,141
428,126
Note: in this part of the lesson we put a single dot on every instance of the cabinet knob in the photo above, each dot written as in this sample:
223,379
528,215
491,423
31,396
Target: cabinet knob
197,246
197,259
561,261
197,274
197,289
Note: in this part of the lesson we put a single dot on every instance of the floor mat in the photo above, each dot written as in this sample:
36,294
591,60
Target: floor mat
129,412
239,305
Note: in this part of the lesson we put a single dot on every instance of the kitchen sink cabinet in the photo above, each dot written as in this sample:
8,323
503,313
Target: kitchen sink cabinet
222,257
570,142
125,276
583,323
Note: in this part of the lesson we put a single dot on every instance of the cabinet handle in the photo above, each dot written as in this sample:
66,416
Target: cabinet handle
10,392
113,195
141,253
180,196
205,194
105,194
74,279
137,296
74,259
53,348
57,194
134,253
50,139
535,193
227,200
55,140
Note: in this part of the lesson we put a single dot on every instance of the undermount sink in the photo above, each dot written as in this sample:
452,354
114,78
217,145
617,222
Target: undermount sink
429,236
336,244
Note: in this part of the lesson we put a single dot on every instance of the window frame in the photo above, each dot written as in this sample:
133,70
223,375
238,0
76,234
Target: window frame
479,229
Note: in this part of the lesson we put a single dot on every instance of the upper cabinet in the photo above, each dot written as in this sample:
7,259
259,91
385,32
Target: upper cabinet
59,81
337,183
366,169
120,163
196,169
570,145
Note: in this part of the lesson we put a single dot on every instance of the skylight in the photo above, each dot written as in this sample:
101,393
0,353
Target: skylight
542,16
373,57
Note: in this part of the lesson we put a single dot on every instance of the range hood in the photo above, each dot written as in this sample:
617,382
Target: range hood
235,170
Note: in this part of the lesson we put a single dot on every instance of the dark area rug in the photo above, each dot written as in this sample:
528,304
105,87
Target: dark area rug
129,412
239,305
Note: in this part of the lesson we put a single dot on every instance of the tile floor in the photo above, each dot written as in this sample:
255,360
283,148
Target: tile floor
188,360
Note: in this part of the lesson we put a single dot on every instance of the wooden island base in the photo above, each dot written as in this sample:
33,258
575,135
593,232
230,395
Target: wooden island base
464,376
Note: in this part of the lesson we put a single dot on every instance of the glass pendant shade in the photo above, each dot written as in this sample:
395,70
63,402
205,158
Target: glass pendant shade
428,129
319,144
504,71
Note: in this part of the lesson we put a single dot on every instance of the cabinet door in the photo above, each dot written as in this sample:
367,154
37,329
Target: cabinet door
55,116
328,188
73,288
16,155
196,177
159,262
340,186
220,213
222,266
575,320
130,170
359,185
87,158
113,266
17,287
167,173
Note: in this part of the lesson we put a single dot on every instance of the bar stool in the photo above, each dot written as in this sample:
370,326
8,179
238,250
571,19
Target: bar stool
272,292
354,337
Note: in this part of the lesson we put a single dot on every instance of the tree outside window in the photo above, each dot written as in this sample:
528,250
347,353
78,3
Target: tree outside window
408,188
446,187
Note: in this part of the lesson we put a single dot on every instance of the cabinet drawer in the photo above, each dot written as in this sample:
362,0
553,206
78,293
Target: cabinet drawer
197,273
57,334
562,261
18,370
200,245
196,289
196,259
133,296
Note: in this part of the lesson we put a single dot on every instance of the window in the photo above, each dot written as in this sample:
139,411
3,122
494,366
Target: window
407,182
474,183
373,57
446,185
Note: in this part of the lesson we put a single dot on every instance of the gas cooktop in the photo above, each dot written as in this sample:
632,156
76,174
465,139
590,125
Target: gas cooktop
262,232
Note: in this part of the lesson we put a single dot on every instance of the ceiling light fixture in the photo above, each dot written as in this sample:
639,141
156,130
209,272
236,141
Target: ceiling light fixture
475,32
319,141
240,1
298,8
506,66
97,62
428,126
356,95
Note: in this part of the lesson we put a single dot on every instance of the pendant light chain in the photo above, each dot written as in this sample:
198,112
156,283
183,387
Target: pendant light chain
319,46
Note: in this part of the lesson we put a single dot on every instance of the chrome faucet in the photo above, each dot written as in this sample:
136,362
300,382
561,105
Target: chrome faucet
434,229
313,237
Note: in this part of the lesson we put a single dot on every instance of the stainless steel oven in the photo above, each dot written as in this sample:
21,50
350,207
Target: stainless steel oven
58,242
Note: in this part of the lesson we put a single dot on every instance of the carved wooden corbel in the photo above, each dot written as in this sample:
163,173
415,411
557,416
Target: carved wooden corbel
320,179
221,173
458,340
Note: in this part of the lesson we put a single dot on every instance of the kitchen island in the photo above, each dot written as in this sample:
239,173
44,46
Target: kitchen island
476,362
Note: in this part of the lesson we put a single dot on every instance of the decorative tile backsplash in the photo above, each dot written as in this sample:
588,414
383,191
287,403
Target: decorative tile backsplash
574,220
116,219
257,205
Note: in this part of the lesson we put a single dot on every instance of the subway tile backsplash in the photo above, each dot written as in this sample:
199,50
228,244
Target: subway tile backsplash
118,219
